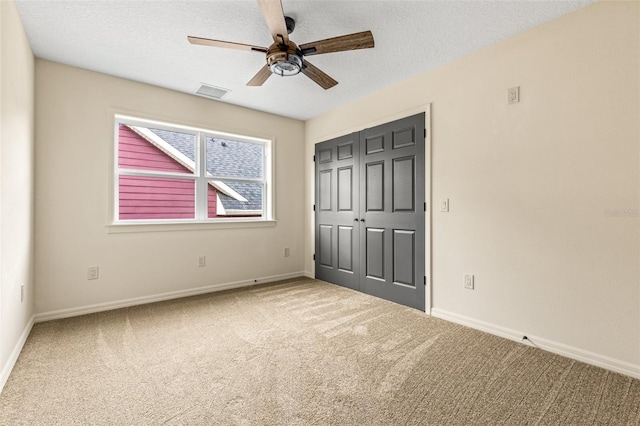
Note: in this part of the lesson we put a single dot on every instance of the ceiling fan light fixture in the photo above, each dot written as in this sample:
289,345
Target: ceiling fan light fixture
284,60
289,65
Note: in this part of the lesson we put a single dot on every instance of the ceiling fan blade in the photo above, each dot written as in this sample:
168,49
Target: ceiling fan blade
362,40
315,74
274,17
227,44
260,77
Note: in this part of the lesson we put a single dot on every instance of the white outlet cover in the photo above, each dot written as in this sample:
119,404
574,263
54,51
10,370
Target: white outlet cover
93,273
468,281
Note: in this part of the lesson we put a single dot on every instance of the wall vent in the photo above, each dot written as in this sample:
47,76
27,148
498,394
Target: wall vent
211,92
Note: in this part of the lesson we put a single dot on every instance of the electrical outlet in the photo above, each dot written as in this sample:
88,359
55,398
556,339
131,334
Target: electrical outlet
286,252
202,261
444,204
513,95
468,281
92,273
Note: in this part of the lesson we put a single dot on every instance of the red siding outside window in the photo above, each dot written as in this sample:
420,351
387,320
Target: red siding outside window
156,198
147,197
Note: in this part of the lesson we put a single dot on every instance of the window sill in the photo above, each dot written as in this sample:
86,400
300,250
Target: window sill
120,228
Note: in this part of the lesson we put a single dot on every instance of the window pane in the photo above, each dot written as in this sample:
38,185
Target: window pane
234,159
156,198
151,155
227,198
142,148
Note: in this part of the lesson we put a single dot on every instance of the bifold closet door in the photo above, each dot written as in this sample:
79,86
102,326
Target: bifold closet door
337,226
370,211
392,211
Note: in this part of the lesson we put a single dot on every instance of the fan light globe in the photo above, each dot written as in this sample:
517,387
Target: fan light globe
291,65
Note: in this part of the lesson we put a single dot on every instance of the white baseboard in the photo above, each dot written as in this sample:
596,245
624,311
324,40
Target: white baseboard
578,354
107,306
8,366
309,275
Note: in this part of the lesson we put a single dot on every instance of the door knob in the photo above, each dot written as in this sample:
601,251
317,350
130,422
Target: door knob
355,220
361,220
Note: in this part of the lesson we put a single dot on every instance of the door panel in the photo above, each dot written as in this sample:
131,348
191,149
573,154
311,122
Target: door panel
375,253
404,192
345,151
374,185
404,136
324,155
370,218
374,143
345,189
324,190
325,236
345,248
404,257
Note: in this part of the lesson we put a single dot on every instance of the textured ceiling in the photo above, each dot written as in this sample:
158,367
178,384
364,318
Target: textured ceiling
147,41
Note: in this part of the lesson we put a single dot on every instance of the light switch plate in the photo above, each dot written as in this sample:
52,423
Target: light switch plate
514,95
444,205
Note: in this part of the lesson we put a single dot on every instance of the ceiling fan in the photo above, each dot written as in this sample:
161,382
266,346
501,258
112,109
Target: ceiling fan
284,57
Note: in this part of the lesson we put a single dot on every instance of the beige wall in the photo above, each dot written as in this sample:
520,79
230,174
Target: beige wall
529,184
16,186
74,146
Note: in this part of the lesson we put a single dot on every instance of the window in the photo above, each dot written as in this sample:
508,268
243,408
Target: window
171,173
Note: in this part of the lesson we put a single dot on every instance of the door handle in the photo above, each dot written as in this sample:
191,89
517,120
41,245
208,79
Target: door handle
355,220
361,220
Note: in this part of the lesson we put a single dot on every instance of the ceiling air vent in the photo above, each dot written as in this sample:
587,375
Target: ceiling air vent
211,91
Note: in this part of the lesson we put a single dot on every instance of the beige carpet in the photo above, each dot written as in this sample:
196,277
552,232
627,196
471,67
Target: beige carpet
301,352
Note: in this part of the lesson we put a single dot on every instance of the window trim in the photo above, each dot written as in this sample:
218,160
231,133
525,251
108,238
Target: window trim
201,180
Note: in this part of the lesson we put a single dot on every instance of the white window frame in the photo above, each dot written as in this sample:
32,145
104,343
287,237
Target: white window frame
199,175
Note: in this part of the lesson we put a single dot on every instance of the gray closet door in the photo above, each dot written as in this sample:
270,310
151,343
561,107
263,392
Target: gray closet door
337,226
370,211
392,211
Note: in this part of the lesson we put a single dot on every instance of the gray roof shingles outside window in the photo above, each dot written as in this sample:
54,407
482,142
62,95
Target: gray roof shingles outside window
229,159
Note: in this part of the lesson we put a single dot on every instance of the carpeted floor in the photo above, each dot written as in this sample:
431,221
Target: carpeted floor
301,352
